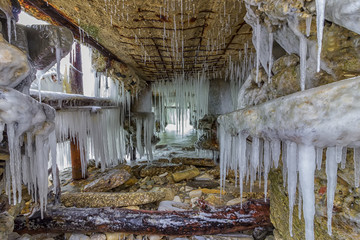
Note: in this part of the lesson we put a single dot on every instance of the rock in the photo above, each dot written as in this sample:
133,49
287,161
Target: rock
173,206
186,174
114,236
96,200
159,180
6,223
199,162
158,169
203,183
212,191
11,236
25,237
229,236
270,237
214,200
260,233
98,236
194,201
132,207
195,193
154,237
169,193
285,62
42,42
164,174
188,189
204,177
110,180
234,201
14,65
77,236
177,199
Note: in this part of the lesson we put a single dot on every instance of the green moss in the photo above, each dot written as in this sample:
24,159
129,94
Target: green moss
91,30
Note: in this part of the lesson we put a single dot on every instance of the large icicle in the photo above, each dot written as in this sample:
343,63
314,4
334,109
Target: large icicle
303,53
292,179
307,158
320,16
258,33
331,174
267,164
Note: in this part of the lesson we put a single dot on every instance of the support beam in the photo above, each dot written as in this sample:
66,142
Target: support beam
76,82
75,160
208,221
323,117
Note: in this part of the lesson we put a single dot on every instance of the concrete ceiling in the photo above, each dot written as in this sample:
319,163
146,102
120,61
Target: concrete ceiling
157,38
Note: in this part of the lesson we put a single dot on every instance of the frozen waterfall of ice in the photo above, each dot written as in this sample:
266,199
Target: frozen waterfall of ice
100,133
184,93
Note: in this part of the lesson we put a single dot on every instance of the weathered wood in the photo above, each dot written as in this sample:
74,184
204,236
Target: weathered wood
207,221
69,102
75,160
76,75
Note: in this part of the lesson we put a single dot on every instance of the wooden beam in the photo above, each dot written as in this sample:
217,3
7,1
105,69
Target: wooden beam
207,221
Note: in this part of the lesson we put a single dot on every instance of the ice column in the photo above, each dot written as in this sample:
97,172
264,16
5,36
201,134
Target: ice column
307,158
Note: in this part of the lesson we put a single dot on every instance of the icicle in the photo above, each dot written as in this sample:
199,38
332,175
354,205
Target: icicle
292,179
331,174
266,165
15,154
58,59
139,146
308,25
320,15
343,157
299,201
275,152
338,153
257,35
52,143
319,154
306,177
9,28
284,161
242,161
254,161
357,166
271,43
303,53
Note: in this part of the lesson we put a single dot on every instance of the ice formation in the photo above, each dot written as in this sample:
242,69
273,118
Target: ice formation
303,124
25,117
100,133
184,93
144,133
237,72
320,17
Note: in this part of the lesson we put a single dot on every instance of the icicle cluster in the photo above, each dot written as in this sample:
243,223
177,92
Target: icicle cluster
144,133
252,157
30,168
184,93
238,71
99,133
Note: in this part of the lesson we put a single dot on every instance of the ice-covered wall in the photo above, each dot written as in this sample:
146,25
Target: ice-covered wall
220,101
305,123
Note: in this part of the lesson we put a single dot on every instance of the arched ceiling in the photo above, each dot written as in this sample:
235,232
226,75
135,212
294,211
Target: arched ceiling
158,38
